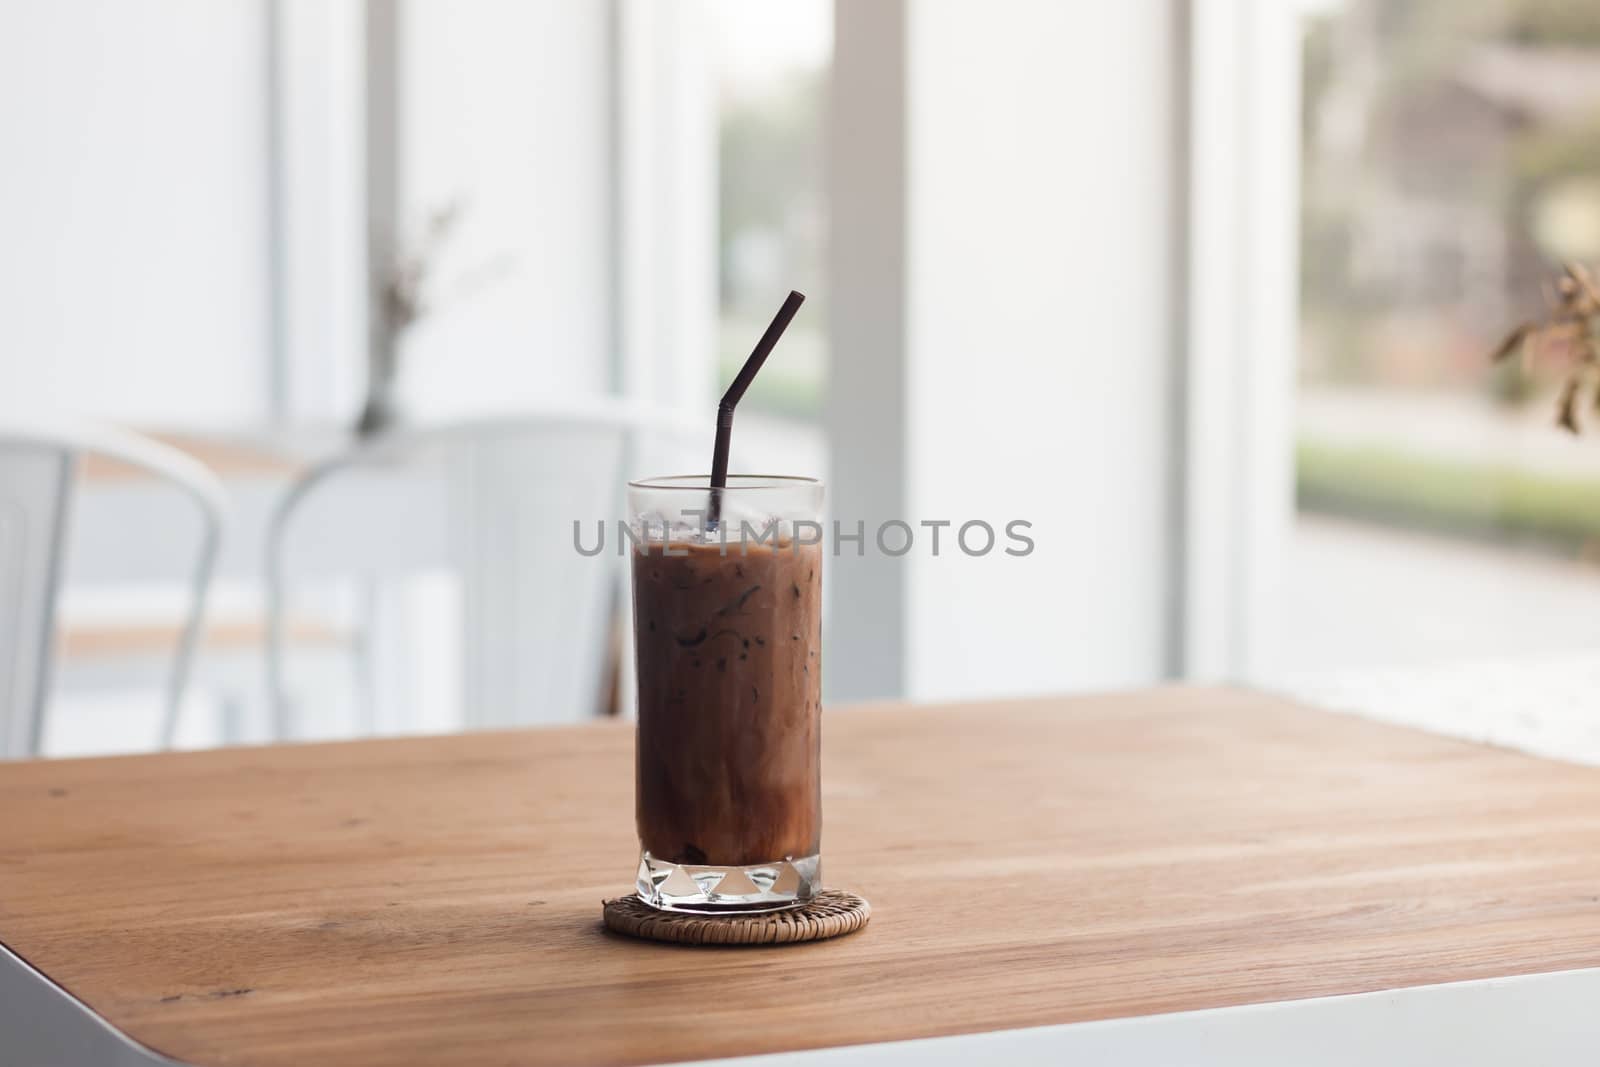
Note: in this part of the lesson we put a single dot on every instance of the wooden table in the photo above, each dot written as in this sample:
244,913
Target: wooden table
1044,862
228,456
124,519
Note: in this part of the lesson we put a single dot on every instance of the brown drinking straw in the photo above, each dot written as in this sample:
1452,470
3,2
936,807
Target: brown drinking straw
741,382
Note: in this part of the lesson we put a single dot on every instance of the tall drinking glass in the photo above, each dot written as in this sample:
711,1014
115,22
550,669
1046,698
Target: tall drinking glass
727,616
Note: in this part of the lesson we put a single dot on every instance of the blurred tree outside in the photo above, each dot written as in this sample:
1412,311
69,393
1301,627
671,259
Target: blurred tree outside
1450,161
1435,134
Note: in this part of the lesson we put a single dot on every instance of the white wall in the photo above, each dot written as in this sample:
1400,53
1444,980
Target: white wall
1036,361
507,104
135,203
133,255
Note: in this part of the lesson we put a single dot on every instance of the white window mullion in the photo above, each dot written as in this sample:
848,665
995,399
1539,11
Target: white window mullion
320,257
666,229
1243,300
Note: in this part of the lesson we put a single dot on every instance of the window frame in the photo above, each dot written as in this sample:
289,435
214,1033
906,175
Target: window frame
1242,326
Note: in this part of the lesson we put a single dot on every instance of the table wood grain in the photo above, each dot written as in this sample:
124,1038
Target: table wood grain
438,900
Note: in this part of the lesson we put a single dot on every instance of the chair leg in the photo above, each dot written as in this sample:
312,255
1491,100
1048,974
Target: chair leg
189,641
230,708
366,674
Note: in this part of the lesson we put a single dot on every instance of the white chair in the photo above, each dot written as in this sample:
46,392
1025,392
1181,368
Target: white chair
492,500
38,464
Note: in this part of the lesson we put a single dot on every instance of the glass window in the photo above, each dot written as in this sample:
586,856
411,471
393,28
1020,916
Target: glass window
773,61
1450,163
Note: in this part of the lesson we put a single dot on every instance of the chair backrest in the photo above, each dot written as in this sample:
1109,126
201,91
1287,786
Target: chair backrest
34,483
494,500
38,461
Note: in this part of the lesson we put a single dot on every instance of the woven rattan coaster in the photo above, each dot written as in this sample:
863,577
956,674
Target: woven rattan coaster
830,913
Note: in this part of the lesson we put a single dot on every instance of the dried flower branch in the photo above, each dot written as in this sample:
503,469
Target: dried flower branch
401,287
406,290
1571,330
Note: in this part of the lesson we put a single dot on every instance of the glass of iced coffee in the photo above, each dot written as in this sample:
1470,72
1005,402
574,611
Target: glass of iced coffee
727,599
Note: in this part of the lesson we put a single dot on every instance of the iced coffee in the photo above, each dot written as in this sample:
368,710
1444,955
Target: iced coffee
727,626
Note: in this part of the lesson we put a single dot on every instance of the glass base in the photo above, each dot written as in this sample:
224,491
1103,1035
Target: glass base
708,889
